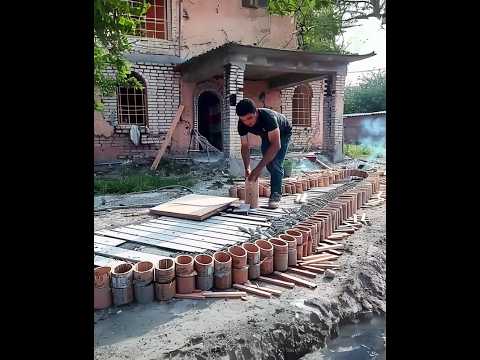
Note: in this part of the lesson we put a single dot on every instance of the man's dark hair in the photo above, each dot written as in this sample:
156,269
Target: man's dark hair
246,106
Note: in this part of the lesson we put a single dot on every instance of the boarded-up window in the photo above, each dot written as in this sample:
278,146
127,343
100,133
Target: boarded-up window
132,104
302,106
154,23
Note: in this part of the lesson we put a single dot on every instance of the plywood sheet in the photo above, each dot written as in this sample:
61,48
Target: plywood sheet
193,207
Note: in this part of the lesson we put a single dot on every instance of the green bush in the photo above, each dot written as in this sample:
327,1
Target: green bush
356,151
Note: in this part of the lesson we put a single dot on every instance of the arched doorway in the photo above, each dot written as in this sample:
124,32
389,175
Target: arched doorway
210,118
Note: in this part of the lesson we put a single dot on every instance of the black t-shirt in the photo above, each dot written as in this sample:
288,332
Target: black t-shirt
268,120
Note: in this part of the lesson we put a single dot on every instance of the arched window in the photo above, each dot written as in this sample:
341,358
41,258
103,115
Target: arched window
132,104
302,106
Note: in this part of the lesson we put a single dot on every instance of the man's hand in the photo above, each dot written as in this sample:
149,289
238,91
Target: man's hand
254,174
247,172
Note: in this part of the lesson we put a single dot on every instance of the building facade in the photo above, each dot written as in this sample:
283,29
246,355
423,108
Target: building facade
207,55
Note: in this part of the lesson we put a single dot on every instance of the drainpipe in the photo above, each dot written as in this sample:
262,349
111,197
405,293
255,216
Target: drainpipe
180,28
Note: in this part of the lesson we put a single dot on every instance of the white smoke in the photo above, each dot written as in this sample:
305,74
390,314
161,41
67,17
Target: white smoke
372,135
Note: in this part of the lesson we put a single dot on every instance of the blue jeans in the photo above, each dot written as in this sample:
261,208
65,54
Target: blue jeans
275,167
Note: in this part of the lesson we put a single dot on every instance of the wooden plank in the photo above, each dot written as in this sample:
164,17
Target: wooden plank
311,268
99,260
190,212
107,240
193,206
192,296
264,288
316,261
125,254
212,236
287,284
168,138
148,241
252,290
245,217
295,279
219,229
303,272
337,236
204,223
197,235
325,266
322,249
334,252
224,294
219,219
174,240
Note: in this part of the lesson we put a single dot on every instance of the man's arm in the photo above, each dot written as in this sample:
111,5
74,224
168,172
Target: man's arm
245,149
275,145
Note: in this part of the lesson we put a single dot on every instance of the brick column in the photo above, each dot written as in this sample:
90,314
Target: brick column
333,116
233,91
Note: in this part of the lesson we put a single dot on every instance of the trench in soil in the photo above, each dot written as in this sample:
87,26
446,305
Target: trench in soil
364,339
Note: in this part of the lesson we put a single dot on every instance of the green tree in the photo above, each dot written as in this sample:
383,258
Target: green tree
368,96
113,21
320,23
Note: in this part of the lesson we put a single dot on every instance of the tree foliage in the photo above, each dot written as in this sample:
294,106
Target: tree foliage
368,96
319,23
113,21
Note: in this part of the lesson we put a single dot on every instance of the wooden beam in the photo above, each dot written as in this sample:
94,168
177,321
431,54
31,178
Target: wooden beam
303,272
192,296
295,279
277,282
252,290
167,139
264,288
224,294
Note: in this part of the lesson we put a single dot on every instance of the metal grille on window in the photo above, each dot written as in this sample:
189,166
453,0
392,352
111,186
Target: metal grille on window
132,109
154,23
302,106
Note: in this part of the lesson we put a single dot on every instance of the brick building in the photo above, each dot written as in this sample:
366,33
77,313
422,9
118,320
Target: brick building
207,55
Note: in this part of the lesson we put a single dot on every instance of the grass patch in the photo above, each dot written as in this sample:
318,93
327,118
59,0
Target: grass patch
356,151
138,182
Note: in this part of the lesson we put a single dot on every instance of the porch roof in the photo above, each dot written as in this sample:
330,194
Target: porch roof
280,67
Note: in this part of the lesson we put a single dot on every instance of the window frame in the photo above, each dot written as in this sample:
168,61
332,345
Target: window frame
303,93
124,125
142,32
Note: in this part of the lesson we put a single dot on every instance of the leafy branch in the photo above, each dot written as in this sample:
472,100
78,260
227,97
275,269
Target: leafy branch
113,21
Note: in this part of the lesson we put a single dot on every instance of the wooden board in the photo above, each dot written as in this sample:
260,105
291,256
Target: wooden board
151,242
245,217
163,238
211,236
99,260
107,240
163,230
294,279
277,282
124,254
205,223
218,229
168,138
193,207
241,222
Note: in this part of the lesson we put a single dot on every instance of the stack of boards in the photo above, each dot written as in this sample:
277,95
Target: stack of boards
194,207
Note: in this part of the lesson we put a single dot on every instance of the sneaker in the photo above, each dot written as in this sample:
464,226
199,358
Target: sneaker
274,201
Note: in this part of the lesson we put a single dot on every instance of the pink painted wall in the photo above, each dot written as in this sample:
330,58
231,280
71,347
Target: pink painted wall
252,89
211,23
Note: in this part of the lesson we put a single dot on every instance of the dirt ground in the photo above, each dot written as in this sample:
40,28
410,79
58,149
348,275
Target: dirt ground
287,327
